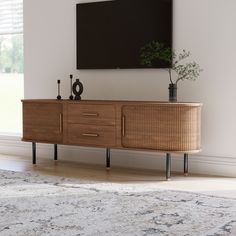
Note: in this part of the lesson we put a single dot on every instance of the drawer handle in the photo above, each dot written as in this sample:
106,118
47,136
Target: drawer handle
123,126
60,120
89,114
90,135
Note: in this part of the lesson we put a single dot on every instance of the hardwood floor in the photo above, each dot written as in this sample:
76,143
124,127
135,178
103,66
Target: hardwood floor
218,186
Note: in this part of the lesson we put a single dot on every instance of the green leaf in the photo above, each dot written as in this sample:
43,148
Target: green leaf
155,50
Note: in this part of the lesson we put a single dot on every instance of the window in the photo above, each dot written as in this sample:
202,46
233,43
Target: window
11,66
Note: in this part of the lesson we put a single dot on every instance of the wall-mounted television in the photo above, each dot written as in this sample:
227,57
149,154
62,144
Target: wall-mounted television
110,34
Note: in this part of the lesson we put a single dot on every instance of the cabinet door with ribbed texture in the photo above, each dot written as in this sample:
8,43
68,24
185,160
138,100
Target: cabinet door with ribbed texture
163,127
42,122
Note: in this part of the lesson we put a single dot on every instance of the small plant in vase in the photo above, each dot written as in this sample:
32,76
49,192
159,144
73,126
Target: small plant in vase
183,70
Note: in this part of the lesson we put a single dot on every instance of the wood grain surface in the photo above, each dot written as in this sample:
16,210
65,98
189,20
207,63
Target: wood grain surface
139,125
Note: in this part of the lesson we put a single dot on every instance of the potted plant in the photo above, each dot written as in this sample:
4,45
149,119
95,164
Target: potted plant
184,70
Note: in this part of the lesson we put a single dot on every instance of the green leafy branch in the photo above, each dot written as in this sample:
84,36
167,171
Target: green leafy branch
156,51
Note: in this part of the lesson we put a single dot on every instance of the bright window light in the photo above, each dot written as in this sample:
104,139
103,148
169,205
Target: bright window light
11,66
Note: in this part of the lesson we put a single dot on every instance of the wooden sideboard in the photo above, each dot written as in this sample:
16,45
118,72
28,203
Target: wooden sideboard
138,125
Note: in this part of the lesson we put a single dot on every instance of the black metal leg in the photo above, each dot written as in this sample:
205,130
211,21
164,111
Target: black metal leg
55,152
168,165
185,164
108,158
33,153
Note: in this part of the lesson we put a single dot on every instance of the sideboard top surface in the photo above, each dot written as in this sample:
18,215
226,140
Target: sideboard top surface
64,101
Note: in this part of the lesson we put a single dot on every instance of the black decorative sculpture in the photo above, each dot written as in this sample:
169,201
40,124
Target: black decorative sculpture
71,96
58,90
77,89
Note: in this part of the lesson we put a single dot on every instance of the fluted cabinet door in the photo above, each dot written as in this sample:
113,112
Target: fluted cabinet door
164,127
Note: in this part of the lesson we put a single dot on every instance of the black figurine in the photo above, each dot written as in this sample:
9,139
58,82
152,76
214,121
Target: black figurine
58,90
71,96
76,92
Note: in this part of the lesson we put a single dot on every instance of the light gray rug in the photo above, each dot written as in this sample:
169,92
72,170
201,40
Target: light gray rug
32,204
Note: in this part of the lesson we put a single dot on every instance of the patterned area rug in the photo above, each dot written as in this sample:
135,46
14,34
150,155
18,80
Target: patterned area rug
32,204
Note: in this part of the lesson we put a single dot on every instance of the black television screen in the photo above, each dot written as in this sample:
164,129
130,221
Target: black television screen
110,34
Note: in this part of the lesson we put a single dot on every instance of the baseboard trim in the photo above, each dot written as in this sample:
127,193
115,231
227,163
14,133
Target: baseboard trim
199,164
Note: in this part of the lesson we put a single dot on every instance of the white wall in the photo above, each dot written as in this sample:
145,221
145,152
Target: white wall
205,27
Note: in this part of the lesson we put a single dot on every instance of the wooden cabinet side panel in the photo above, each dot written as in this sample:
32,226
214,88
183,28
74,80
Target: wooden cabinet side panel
42,122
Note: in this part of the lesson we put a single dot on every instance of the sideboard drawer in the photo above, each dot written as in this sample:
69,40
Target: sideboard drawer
103,136
91,114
